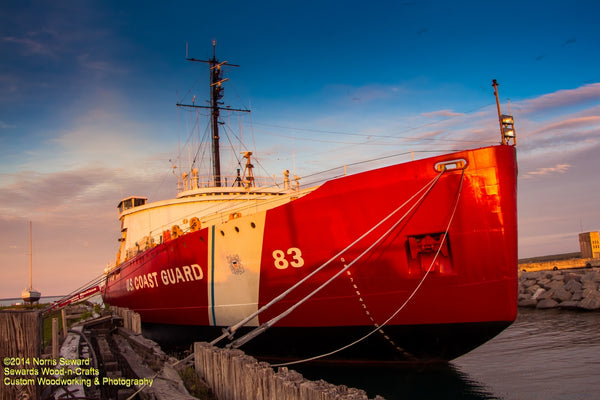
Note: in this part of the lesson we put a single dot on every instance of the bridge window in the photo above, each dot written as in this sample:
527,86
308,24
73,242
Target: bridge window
131,202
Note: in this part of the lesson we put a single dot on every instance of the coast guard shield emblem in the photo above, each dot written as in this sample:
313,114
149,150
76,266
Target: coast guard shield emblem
235,264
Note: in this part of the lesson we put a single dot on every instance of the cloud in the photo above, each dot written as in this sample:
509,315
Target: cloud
442,113
58,251
561,99
101,66
75,219
557,169
573,123
570,41
572,127
9,85
537,244
363,94
30,46
48,193
4,125
558,137
100,131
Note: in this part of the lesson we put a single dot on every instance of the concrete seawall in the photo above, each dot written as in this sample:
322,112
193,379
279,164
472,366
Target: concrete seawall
568,289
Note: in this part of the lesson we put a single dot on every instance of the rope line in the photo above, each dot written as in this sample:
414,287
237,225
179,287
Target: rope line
255,332
414,292
227,332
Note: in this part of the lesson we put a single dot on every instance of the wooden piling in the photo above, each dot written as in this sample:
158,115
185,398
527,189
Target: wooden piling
20,342
233,375
136,323
55,341
63,314
131,319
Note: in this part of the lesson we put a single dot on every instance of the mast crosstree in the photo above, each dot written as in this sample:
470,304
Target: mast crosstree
216,94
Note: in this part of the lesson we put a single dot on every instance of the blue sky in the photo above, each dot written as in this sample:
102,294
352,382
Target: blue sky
88,92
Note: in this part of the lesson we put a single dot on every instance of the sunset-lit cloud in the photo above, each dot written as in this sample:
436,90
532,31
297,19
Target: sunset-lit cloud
573,124
88,116
442,113
559,168
561,99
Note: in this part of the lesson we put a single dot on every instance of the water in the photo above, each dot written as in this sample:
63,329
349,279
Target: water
15,300
46,300
545,354
550,354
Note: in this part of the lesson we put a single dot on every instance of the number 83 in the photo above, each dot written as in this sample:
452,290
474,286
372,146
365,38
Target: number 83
280,261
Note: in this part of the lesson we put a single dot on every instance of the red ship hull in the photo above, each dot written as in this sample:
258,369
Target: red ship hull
435,279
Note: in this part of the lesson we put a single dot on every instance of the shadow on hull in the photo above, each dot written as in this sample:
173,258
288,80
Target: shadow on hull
416,344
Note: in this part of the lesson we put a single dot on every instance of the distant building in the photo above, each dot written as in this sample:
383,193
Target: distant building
589,242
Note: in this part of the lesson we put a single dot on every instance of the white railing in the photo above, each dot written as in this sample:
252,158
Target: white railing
200,182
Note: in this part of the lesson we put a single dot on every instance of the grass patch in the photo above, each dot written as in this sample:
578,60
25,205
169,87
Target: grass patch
47,328
24,307
194,385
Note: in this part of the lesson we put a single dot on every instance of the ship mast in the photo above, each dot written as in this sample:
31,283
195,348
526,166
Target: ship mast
507,122
30,260
216,94
30,295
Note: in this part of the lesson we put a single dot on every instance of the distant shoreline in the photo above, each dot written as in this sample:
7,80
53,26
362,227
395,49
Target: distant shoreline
552,257
44,299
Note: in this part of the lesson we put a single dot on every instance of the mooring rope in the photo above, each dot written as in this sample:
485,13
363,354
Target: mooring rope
258,330
228,332
414,292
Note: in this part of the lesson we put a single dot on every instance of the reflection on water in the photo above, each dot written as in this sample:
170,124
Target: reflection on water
544,354
405,382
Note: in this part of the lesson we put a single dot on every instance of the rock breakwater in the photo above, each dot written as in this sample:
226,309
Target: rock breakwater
569,289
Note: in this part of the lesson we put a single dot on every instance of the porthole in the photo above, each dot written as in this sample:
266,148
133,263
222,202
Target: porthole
252,224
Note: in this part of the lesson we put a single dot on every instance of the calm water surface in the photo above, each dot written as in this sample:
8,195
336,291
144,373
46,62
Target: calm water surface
549,354
15,300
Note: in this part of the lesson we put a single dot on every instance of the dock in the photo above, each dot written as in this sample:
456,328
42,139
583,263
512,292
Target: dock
107,357
20,341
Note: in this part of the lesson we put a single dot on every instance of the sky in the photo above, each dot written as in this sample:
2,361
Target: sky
88,116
